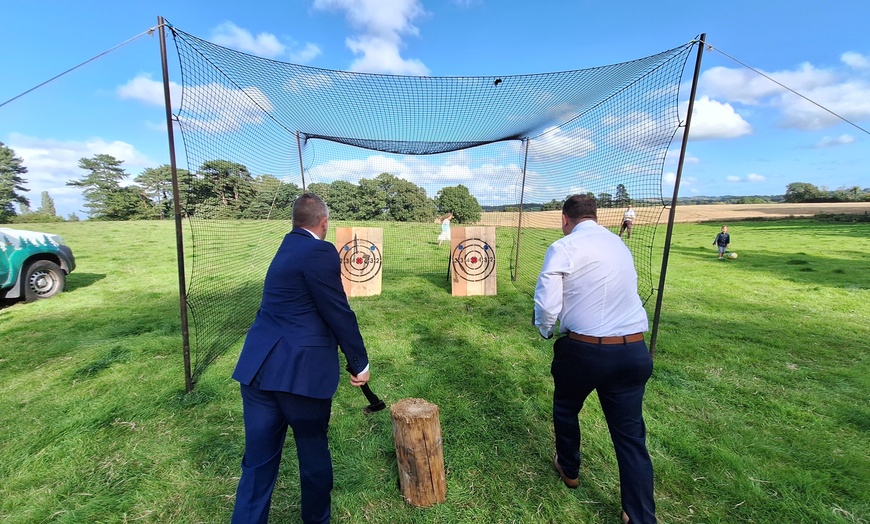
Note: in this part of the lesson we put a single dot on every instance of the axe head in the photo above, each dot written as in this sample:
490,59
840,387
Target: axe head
372,408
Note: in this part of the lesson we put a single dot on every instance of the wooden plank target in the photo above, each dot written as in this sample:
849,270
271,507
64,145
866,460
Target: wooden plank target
472,261
361,253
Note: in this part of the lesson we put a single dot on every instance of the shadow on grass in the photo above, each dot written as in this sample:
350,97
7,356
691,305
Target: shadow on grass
77,280
74,281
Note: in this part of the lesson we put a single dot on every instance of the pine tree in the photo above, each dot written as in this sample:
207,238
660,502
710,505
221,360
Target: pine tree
47,207
11,183
105,197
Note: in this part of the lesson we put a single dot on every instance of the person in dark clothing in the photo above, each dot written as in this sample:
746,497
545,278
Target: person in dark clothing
288,369
722,241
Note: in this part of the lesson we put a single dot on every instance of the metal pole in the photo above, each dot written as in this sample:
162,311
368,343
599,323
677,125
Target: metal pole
673,211
299,149
520,216
176,203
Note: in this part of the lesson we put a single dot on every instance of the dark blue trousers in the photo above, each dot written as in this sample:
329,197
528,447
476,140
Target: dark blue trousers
267,415
619,374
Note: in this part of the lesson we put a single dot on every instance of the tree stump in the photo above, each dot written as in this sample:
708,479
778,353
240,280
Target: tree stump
417,435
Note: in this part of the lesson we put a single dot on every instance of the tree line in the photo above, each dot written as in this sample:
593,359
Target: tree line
222,189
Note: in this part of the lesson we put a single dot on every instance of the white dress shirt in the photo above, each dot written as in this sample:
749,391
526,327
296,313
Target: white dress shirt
588,283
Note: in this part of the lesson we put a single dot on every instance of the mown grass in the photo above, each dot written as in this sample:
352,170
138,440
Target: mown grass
758,409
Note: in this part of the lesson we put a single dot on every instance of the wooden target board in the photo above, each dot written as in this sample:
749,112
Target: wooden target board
360,250
472,261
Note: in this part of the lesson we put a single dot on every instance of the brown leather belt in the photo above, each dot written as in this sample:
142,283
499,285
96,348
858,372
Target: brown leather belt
627,339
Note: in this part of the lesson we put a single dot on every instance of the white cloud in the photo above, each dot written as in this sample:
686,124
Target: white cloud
855,60
492,182
382,56
847,99
735,85
237,107
144,89
673,155
750,178
303,82
230,35
555,142
712,120
52,163
266,45
831,141
670,178
305,55
636,129
748,87
842,91
382,25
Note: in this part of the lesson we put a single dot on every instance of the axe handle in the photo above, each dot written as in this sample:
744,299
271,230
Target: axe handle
367,391
372,398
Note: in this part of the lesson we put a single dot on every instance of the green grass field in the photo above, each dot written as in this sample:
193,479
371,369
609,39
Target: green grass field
758,410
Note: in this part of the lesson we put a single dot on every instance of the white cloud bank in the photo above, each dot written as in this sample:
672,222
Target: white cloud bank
714,120
828,95
382,25
52,163
266,45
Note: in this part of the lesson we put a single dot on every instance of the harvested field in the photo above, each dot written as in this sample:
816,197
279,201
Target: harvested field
687,213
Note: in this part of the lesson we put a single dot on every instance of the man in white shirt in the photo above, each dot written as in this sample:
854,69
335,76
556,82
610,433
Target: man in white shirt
588,285
627,220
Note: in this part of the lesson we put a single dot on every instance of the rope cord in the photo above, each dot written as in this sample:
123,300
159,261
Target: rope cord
52,79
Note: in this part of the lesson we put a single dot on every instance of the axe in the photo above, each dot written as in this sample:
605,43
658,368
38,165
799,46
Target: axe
375,404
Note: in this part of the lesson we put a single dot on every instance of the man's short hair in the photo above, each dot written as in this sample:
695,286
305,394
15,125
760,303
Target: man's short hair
308,210
578,207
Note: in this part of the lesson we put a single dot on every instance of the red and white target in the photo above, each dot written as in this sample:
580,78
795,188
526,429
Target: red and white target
473,261
360,250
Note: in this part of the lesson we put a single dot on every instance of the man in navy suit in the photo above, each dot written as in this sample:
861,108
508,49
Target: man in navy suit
289,367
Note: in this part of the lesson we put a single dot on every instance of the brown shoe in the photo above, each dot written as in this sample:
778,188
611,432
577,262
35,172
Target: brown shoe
571,483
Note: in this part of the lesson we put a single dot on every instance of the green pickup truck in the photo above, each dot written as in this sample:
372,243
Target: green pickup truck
33,265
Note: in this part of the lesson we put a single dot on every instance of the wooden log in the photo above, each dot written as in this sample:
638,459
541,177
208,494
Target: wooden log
417,436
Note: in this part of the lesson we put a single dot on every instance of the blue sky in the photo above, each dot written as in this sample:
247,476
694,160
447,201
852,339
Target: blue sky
749,136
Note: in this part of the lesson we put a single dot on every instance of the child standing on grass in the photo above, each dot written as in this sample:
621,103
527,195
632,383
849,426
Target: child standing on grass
445,228
722,241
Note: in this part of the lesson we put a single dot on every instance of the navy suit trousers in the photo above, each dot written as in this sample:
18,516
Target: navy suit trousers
619,374
267,415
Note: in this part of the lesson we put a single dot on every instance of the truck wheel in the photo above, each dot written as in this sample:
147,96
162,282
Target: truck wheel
43,279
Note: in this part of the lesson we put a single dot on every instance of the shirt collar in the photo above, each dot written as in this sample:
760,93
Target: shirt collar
584,224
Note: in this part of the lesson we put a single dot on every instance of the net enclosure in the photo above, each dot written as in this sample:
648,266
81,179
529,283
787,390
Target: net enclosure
399,153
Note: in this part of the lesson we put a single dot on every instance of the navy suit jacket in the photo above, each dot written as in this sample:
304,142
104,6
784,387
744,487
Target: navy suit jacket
303,317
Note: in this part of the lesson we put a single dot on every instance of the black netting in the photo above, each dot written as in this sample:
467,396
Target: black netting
382,150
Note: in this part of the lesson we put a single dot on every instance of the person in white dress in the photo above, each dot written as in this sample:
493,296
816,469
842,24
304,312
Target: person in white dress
445,229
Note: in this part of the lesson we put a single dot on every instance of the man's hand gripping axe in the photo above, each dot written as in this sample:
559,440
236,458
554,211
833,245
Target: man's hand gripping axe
375,404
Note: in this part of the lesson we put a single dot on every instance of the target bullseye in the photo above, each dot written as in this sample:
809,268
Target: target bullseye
473,260
360,260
